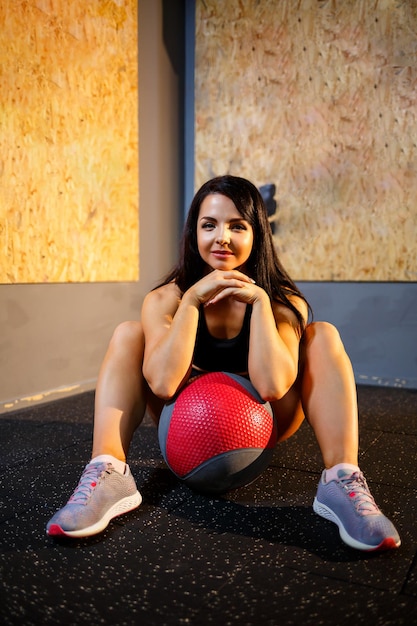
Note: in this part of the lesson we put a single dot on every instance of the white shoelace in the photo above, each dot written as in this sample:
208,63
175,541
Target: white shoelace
357,489
88,482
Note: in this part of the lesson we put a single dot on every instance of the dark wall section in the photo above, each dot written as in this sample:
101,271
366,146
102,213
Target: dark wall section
378,324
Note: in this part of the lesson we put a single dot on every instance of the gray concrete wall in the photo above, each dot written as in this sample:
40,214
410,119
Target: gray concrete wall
378,324
54,336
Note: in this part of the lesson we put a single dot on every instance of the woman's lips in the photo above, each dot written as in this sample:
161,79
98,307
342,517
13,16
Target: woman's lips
222,254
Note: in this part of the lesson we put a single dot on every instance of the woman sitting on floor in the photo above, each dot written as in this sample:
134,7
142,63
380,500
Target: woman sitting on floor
228,275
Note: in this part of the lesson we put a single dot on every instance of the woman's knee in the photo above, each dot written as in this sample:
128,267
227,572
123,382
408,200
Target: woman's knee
127,335
323,336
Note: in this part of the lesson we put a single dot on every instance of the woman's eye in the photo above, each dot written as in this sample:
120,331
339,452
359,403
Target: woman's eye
211,226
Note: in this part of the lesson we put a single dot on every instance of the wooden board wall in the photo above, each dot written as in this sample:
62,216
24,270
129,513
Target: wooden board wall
69,141
318,97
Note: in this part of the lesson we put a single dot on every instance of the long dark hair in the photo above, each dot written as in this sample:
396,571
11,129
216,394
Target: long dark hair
263,264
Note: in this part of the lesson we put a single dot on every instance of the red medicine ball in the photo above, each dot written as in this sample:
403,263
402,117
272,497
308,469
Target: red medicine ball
217,434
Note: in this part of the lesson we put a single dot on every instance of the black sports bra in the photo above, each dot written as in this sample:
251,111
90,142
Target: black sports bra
227,355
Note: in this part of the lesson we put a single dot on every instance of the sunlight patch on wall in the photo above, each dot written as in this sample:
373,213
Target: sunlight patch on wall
69,180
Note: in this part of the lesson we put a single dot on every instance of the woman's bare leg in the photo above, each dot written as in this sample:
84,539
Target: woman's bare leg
328,394
325,393
121,392
106,488
326,390
330,404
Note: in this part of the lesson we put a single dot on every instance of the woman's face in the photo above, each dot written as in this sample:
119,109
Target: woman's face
224,238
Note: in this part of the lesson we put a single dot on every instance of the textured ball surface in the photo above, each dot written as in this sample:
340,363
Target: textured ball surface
217,434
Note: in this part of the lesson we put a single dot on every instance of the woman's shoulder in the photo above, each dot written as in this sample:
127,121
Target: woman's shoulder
282,310
168,294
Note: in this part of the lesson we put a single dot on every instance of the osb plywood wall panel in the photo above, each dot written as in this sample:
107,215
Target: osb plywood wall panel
318,97
69,141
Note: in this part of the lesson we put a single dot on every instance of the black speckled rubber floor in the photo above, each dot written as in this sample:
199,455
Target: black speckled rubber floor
257,556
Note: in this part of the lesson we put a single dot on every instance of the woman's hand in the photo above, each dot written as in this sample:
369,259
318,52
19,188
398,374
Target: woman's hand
219,285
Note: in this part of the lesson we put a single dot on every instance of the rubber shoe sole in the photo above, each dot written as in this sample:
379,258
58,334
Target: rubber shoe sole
122,506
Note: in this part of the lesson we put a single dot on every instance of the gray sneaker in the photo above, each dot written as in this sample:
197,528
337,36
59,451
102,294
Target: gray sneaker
348,503
101,495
